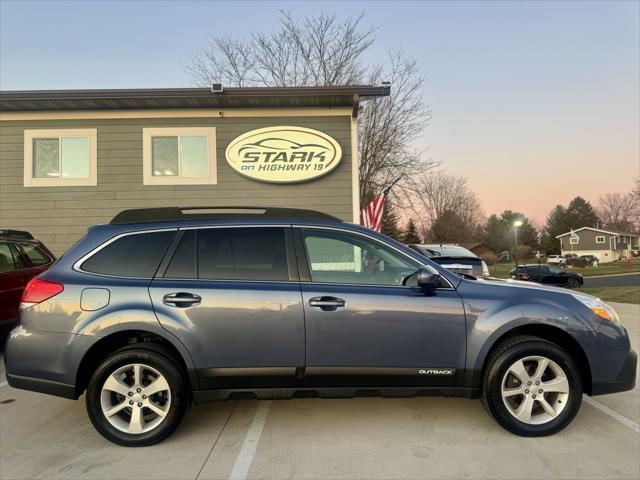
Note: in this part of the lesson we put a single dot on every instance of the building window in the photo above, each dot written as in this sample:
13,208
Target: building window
62,157
179,156
600,239
574,240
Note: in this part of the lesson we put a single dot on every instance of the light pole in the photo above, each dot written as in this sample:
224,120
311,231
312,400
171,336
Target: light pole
516,224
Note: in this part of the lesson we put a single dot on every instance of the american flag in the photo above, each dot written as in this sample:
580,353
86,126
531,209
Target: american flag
371,215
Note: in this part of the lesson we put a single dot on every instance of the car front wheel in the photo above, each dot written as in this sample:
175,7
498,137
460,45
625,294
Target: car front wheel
137,397
532,387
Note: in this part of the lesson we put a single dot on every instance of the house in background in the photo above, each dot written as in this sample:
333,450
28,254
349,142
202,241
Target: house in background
482,250
608,246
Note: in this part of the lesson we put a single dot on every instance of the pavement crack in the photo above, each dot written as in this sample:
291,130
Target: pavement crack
217,438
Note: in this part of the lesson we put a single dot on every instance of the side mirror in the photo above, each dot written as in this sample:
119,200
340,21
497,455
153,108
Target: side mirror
426,279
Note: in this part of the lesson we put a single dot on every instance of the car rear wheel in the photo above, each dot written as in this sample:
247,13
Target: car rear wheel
137,397
532,387
573,283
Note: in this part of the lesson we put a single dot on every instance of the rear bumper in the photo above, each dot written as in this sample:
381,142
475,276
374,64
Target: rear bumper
626,379
42,385
45,362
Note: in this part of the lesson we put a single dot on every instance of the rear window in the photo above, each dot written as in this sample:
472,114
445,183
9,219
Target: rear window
35,255
231,254
6,258
135,255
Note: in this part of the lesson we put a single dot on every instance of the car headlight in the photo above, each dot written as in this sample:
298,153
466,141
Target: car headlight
598,307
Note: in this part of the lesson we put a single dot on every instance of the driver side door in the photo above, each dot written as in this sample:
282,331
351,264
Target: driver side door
363,327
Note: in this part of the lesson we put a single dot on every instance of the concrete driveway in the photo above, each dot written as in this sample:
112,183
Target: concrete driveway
48,437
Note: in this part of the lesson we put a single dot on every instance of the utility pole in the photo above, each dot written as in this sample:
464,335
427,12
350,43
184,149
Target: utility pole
516,224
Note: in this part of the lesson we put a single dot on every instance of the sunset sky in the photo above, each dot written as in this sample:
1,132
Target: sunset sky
534,102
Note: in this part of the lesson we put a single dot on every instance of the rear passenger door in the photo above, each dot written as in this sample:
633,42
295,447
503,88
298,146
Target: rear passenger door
232,296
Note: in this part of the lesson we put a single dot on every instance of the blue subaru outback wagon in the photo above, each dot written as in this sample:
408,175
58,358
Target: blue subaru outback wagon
164,307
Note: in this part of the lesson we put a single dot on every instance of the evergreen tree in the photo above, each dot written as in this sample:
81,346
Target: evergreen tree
579,213
410,234
390,221
499,232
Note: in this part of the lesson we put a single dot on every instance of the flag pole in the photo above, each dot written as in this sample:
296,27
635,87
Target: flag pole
386,190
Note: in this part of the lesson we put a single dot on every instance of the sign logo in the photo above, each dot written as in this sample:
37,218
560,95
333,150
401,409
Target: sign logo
436,371
283,154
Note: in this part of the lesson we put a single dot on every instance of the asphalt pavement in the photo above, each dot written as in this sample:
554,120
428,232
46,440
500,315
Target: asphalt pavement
623,280
415,438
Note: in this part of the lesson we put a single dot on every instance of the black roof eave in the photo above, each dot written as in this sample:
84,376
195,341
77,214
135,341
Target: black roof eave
155,98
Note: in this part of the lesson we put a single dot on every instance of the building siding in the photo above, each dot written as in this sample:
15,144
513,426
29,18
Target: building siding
59,216
587,241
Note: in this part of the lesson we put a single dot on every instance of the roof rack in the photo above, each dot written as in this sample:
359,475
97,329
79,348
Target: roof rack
16,234
172,214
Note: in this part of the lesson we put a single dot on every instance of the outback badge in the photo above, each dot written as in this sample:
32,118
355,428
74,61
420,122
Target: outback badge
436,371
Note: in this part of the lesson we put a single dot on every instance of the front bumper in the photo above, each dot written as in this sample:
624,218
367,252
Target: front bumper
626,379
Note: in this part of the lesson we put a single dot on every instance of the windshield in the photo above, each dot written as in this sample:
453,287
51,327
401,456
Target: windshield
444,251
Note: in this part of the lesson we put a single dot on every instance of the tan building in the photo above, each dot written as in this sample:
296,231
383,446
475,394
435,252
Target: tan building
71,159
608,246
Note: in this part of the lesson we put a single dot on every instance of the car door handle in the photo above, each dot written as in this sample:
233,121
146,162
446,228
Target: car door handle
327,304
181,299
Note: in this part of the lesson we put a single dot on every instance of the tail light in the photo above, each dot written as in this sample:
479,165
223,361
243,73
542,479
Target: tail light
38,291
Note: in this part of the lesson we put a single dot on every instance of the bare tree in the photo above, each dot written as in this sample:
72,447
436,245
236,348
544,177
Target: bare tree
442,197
388,127
314,51
321,50
616,211
635,204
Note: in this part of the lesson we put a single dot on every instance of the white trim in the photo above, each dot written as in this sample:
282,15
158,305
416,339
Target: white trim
602,237
355,171
147,174
178,113
575,240
90,133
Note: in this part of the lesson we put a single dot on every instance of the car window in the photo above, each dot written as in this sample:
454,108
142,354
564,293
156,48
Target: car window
343,257
135,255
17,256
35,255
242,254
7,263
231,254
554,270
183,262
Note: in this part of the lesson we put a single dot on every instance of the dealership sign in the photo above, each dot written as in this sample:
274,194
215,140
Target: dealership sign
283,154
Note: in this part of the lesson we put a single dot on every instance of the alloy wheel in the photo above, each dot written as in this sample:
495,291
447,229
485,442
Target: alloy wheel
135,398
535,390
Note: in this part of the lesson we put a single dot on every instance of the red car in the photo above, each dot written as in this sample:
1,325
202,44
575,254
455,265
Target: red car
21,259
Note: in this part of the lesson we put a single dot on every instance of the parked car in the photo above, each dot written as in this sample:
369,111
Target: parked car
590,259
578,262
21,259
556,259
163,307
547,275
454,258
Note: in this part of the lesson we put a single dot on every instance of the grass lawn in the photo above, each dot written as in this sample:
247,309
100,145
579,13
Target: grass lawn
626,294
501,270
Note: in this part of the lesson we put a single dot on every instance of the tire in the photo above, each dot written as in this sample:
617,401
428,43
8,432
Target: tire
138,421
561,379
573,283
